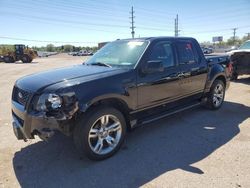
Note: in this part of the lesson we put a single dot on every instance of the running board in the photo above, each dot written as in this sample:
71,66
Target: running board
160,116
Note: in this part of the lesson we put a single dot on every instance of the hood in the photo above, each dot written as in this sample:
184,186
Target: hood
239,50
41,80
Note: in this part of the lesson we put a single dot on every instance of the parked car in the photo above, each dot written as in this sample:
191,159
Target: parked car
82,53
127,83
73,53
232,48
90,53
207,50
241,60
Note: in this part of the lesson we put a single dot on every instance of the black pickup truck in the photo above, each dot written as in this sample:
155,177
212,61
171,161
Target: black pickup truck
127,83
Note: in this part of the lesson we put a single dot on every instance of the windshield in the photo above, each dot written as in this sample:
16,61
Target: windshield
121,53
245,45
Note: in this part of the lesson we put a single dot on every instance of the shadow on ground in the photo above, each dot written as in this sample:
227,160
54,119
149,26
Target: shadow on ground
20,62
244,80
175,142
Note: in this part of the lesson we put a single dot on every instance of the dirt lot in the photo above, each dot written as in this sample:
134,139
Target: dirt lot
197,148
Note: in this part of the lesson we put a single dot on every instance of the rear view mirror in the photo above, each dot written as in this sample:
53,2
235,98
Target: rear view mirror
153,67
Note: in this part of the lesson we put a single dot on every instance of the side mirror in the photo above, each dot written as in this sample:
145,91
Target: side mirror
153,67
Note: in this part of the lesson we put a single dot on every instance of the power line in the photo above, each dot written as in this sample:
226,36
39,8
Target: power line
92,7
111,25
107,4
132,22
62,21
45,41
77,22
217,30
67,21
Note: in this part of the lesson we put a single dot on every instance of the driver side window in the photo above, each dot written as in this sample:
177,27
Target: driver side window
162,51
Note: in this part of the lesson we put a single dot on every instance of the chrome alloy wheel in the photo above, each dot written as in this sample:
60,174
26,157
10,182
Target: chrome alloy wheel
105,134
218,95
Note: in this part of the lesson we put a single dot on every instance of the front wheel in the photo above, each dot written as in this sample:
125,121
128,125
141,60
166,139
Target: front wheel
216,95
100,133
26,59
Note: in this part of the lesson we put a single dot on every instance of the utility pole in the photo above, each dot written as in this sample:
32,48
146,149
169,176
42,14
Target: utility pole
234,33
132,22
248,36
176,26
175,33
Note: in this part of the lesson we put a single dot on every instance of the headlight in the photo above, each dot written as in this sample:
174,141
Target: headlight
48,102
55,101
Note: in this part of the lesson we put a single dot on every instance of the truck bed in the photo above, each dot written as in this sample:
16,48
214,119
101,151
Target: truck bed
217,58
222,59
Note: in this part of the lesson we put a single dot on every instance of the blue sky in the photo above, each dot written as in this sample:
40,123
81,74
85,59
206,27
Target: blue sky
88,22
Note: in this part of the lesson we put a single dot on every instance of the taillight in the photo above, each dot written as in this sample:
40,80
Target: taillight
230,67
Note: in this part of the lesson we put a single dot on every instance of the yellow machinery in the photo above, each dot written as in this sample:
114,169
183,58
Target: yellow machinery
21,52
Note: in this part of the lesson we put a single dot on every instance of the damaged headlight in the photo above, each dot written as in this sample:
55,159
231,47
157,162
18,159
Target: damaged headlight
48,102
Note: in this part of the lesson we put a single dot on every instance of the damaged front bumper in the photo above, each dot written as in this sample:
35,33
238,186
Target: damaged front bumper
26,125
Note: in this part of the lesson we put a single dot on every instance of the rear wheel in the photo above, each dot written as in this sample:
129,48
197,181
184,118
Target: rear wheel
234,76
8,59
216,95
100,133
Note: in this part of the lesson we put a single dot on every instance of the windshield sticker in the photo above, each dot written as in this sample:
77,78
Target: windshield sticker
126,63
135,43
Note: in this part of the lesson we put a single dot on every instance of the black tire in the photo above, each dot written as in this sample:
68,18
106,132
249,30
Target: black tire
211,102
26,59
8,59
87,122
234,76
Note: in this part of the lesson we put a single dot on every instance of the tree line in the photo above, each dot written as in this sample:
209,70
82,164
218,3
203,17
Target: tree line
50,48
64,48
237,41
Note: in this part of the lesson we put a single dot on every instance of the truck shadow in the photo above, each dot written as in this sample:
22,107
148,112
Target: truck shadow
245,80
19,62
172,143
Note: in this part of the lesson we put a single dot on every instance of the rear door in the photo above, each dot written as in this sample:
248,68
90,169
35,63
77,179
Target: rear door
193,68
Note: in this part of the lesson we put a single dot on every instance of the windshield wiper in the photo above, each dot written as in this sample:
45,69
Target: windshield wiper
100,64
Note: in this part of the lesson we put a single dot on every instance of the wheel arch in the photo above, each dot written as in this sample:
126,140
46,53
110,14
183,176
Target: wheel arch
216,72
222,78
114,102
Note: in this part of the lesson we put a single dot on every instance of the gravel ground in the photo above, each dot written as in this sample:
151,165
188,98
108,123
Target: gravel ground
197,148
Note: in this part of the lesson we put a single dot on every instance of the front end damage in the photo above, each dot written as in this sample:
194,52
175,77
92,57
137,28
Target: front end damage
241,63
41,115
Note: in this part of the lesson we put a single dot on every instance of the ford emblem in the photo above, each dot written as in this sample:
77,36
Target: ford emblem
20,95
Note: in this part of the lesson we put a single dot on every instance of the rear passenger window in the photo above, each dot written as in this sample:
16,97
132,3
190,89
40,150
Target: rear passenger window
163,51
186,53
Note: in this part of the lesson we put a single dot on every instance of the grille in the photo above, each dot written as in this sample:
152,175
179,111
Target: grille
20,96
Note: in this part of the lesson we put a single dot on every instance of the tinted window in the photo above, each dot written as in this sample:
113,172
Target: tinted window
163,51
186,53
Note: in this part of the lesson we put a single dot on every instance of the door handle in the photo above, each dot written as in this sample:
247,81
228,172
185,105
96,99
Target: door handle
195,69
